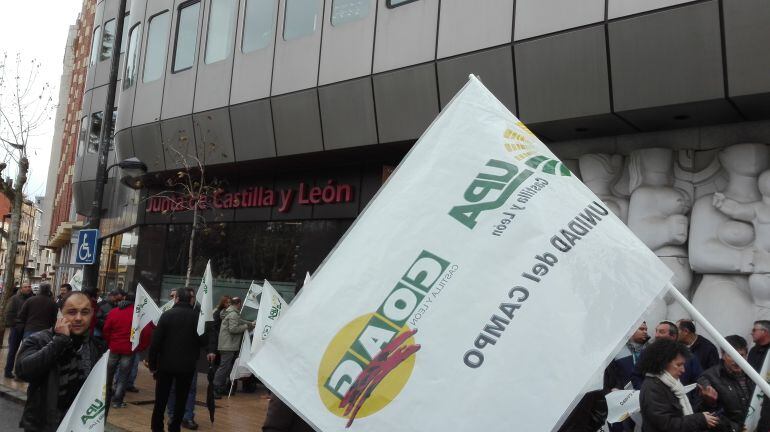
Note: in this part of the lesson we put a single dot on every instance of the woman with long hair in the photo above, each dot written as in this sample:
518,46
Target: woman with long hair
664,403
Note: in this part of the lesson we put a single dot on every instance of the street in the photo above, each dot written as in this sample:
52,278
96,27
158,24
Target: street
11,412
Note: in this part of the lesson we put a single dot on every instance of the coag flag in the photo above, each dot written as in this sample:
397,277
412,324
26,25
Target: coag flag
77,281
205,299
270,310
87,412
251,296
755,408
454,282
145,312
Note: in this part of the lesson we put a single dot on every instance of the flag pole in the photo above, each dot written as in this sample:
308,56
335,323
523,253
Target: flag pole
719,339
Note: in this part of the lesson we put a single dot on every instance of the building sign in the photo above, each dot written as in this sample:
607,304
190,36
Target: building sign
255,197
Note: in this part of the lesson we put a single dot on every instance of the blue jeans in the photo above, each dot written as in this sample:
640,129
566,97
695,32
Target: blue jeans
189,407
133,371
117,370
14,341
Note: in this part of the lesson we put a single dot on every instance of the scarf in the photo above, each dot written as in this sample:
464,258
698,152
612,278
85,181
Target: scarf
677,388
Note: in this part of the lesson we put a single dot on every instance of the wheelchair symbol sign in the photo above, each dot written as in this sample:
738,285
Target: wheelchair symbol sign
86,249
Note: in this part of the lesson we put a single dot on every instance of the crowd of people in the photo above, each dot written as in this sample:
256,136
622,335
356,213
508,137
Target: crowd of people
55,342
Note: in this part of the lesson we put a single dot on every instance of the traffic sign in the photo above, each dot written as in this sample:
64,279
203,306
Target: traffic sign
86,250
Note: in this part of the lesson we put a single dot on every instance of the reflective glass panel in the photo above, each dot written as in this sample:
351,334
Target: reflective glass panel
132,56
258,24
301,18
157,38
95,43
221,30
95,132
344,11
108,39
186,37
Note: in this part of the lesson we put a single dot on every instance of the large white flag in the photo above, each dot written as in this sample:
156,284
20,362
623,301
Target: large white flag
241,368
77,281
87,412
205,299
755,408
270,310
145,312
452,284
250,301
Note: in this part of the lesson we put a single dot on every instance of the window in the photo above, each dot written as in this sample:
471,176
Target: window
396,3
112,128
219,36
186,37
95,44
258,24
344,11
301,18
157,39
82,136
124,39
94,132
132,56
108,39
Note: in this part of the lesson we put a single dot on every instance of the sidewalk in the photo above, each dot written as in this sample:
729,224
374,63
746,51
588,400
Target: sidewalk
243,411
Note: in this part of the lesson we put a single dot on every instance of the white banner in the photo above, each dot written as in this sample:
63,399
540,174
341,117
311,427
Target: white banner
755,408
205,299
88,410
481,289
145,312
270,310
250,301
241,368
77,281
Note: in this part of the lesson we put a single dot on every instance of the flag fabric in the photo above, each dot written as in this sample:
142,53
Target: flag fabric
145,312
306,282
169,304
270,310
755,408
77,281
250,301
240,368
205,299
479,247
88,411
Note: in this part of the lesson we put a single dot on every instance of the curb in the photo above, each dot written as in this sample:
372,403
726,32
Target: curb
20,398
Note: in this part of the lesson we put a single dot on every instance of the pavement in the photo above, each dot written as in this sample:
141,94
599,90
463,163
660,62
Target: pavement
242,411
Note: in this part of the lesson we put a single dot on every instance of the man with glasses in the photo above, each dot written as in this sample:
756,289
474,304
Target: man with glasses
761,336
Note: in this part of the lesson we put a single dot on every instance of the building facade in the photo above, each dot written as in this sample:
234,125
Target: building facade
297,110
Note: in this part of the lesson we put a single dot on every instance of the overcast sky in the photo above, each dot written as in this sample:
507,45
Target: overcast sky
38,29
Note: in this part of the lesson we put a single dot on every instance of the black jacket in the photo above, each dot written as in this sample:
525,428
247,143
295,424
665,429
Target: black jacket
733,402
14,307
176,346
757,355
37,313
662,412
103,310
705,352
38,363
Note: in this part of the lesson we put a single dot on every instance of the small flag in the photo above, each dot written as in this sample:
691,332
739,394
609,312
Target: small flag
251,296
271,308
77,281
755,408
240,368
145,312
167,306
88,411
205,299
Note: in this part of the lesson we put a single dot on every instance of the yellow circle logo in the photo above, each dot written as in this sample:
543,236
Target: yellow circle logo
366,366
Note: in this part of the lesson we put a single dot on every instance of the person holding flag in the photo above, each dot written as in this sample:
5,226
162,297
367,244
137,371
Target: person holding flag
230,333
56,363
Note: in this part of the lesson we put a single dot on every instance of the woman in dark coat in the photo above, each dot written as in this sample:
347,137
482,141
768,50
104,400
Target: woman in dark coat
664,403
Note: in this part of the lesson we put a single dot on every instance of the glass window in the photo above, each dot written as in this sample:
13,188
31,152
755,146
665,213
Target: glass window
258,24
95,44
157,40
112,127
344,11
396,3
108,38
95,132
132,56
301,18
186,36
219,36
82,136
124,39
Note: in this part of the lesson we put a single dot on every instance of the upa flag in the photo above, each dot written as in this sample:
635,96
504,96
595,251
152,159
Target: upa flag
205,299
270,310
241,368
145,312
386,335
88,411
77,281
251,296
755,408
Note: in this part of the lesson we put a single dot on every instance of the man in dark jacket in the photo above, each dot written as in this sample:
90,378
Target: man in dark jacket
113,298
56,363
700,347
173,355
38,313
14,334
733,388
760,334
63,290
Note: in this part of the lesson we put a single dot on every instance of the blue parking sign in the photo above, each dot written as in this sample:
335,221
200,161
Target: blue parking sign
86,250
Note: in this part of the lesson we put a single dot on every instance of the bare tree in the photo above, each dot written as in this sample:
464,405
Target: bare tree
25,106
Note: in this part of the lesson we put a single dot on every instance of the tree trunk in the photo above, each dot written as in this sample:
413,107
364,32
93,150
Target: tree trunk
13,239
191,248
